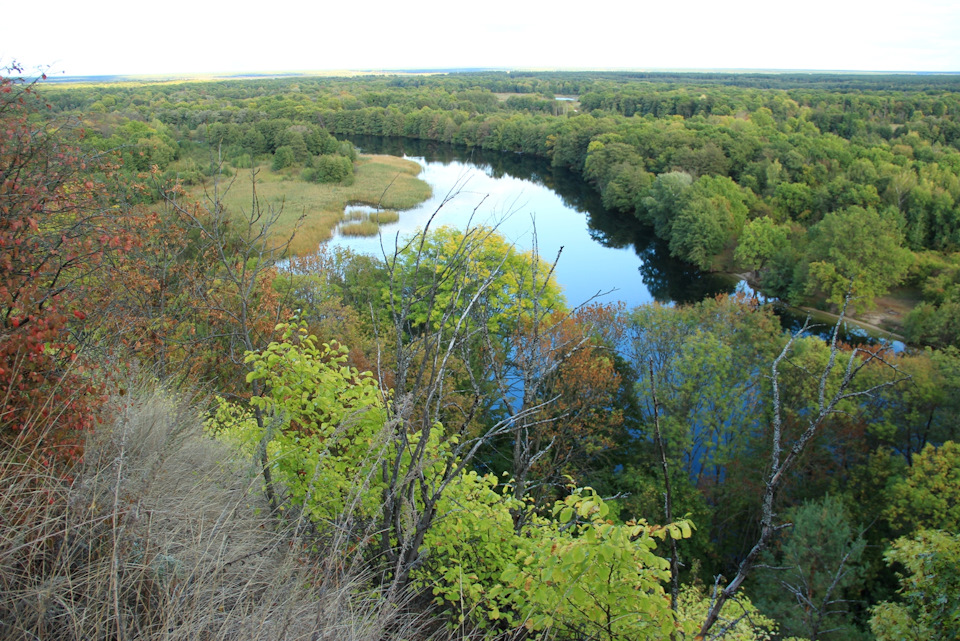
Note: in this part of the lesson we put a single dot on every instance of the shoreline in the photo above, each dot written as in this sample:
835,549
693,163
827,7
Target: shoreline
873,320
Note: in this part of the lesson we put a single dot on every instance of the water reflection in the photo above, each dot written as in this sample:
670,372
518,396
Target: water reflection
601,250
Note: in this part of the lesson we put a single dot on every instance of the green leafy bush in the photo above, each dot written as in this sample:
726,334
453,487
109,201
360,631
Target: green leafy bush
573,572
325,433
330,168
323,424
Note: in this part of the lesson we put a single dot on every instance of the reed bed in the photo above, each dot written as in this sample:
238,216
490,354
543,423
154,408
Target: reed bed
362,228
379,181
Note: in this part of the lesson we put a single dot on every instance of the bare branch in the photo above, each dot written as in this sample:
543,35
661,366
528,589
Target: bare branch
827,404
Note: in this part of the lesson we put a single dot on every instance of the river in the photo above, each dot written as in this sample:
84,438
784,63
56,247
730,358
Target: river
603,256
606,256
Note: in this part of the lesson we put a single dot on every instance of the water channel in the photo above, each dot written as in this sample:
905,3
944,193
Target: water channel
603,256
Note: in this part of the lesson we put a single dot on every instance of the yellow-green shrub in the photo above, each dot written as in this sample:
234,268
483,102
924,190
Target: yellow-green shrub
572,572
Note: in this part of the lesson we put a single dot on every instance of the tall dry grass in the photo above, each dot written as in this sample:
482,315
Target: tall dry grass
362,228
162,533
379,181
384,217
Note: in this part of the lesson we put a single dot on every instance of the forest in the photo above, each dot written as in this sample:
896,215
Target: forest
213,429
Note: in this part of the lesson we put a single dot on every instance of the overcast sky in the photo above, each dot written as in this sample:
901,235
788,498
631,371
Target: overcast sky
199,36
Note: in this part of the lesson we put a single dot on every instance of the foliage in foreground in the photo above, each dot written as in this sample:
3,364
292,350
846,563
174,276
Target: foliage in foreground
571,571
57,230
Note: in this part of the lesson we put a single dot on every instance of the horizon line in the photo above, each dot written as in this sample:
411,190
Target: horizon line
61,77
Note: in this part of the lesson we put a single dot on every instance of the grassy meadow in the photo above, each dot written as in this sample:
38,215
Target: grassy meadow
387,182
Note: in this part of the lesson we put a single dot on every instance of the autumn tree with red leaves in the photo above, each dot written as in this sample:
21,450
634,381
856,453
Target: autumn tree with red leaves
56,225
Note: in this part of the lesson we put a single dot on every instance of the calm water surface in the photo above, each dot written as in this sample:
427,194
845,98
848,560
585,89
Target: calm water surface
602,256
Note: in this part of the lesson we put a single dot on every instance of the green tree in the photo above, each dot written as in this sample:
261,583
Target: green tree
706,160
857,250
761,241
293,140
664,201
282,158
929,609
453,302
500,285
617,170
703,356
837,388
934,324
923,409
708,405
331,168
928,495
712,215
812,572
796,200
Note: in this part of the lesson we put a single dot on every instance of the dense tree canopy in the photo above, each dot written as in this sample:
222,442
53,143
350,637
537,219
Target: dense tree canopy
482,445
858,251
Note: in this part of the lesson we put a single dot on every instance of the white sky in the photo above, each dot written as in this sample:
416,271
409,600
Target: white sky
198,36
